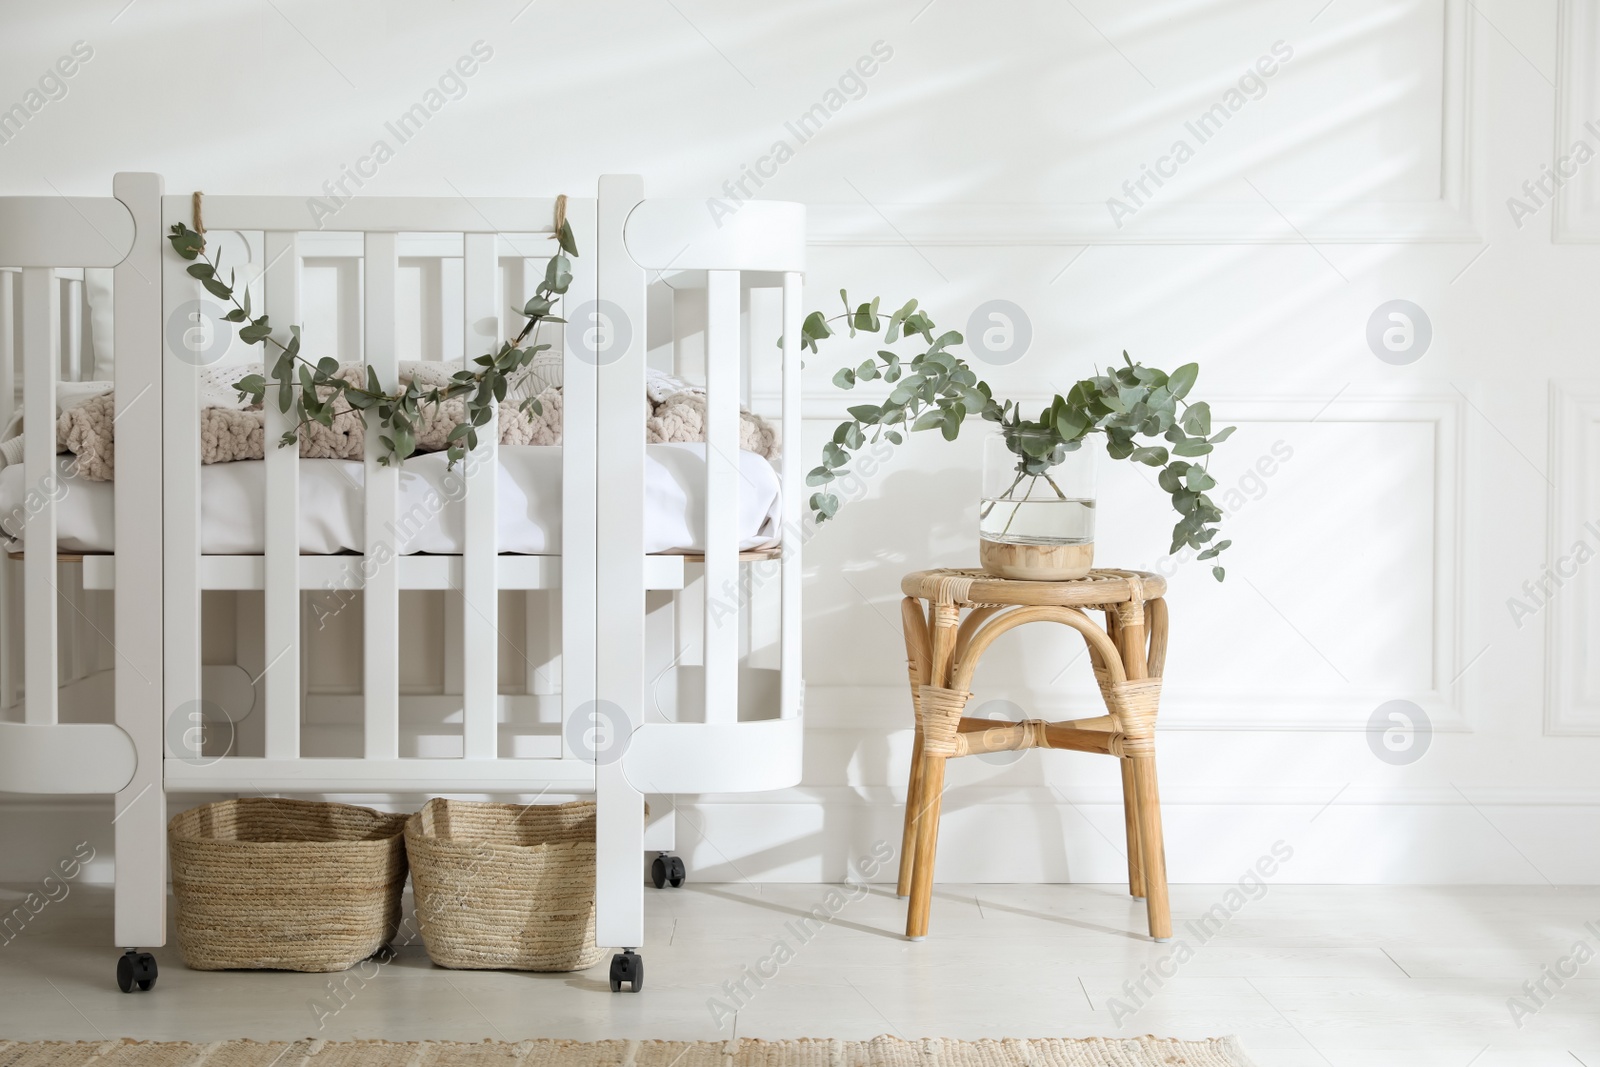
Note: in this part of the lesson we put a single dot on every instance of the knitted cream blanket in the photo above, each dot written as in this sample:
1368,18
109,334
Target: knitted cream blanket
673,410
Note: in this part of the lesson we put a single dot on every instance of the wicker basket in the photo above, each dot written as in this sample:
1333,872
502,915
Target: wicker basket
505,885
290,885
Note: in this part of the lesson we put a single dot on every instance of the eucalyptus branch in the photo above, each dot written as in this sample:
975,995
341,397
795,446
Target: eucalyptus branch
936,389
312,390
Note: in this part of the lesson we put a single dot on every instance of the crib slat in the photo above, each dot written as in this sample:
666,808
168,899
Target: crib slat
179,532
792,483
41,337
580,408
381,592
282,592
722,497
72,331
8,396
479,591
8,354
76,632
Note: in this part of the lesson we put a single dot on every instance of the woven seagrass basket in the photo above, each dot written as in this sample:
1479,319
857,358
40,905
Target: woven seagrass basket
505,885
289,885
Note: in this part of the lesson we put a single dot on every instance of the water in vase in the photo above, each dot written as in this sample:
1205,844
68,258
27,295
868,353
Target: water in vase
1036,521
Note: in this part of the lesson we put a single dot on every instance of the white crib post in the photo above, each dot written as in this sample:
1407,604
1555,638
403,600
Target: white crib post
140,635
721,585
381,566
480,594
282,592
793,485
620,585
41,336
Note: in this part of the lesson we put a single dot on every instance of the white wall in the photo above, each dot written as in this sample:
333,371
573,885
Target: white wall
1398,508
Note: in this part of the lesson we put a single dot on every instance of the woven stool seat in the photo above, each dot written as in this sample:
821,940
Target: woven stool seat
1096,589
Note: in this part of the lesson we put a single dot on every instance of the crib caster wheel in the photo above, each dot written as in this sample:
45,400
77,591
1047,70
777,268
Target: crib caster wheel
627,966
667,869
136,969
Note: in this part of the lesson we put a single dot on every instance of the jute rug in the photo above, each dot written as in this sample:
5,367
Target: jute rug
879,1052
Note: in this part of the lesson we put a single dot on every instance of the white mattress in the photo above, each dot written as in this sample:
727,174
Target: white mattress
431,512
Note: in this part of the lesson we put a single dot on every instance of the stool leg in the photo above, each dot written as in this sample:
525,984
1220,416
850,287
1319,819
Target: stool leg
919,660
908,839
939,711
1155,858
1130,817
927,817
1125,626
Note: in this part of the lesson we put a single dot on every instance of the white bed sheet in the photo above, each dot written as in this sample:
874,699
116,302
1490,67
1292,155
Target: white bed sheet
232,508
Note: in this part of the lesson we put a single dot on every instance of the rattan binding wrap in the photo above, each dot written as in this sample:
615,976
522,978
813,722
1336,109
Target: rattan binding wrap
290,885
505,885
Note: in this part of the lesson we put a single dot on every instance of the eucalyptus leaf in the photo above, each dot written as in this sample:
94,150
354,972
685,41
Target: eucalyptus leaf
1180,381
186,242
558,274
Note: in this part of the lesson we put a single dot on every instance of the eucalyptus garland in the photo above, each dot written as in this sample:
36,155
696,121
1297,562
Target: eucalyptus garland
1132,406
315,393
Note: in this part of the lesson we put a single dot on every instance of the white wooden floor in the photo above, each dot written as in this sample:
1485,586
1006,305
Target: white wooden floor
1306,975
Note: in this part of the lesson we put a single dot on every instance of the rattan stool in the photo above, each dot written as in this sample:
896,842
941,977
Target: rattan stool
943,650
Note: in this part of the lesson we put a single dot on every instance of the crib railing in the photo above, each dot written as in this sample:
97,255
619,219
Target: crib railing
626,242
477,573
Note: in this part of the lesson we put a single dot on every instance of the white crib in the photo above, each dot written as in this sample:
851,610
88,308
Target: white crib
733,726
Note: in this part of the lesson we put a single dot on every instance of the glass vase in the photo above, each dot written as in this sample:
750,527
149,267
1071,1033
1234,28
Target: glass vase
1036,518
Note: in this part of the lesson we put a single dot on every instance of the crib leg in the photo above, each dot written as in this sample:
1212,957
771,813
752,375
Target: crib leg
619,883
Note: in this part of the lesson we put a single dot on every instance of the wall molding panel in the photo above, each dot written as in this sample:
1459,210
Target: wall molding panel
1448,218
1572,705
1576,218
